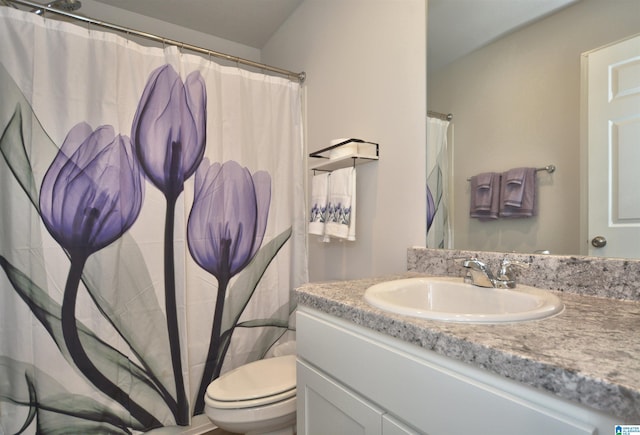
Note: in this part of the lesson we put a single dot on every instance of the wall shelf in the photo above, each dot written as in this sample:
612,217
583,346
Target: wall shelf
350,152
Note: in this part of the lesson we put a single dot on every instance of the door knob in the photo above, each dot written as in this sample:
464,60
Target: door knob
598,242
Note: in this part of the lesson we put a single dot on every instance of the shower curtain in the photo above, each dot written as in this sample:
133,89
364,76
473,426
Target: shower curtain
151,226
438,224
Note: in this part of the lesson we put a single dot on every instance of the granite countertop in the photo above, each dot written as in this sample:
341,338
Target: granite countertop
589,354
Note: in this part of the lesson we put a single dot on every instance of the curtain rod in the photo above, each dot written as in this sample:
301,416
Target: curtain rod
443,116
301,76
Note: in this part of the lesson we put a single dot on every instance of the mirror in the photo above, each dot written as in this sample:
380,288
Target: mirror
516,102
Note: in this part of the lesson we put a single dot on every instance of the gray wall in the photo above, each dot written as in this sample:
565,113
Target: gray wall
366,67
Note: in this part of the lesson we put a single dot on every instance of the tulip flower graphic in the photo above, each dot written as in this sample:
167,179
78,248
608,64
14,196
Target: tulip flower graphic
169,136
90,196
92,192
169,128
225,230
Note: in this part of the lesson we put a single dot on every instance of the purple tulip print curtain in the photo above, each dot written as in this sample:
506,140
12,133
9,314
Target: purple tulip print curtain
151,226
439,234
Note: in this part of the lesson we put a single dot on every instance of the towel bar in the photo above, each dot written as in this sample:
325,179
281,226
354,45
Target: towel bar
549,168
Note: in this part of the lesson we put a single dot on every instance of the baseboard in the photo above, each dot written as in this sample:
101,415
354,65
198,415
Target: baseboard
200,424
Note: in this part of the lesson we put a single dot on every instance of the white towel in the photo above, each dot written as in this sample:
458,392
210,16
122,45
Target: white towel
341,206
318,212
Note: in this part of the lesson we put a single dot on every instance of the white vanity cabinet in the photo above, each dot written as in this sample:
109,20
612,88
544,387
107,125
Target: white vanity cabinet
352,380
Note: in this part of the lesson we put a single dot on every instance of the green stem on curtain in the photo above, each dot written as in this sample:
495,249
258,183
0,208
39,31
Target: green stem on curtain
223,352
182,416
213,363
80,357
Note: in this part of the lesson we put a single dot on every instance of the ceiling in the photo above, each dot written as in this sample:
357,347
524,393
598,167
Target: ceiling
248,22
456,27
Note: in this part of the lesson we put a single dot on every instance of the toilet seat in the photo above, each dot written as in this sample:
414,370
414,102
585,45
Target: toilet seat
259,383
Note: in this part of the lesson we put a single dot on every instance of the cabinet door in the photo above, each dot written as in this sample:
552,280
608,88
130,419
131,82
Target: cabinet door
325,407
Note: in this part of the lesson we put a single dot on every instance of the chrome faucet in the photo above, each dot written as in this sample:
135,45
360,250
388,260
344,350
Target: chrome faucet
480,275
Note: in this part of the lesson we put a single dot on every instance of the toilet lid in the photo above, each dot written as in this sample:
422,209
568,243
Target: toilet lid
257,383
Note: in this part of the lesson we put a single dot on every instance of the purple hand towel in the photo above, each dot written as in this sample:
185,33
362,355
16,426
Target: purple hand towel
518,193
514,183
485,188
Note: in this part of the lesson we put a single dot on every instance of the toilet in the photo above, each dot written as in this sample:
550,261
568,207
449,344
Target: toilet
256,398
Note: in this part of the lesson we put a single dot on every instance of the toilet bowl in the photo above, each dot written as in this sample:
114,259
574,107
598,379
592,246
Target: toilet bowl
256,398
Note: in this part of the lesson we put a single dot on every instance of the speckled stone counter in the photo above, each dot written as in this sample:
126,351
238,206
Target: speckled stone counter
616,278
589,354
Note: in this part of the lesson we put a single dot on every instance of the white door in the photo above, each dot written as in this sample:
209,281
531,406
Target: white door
613,136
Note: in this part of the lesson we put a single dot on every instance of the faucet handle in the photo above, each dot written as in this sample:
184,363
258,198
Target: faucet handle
506,276
506,264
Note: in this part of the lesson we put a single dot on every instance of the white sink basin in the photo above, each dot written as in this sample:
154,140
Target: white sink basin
452,300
